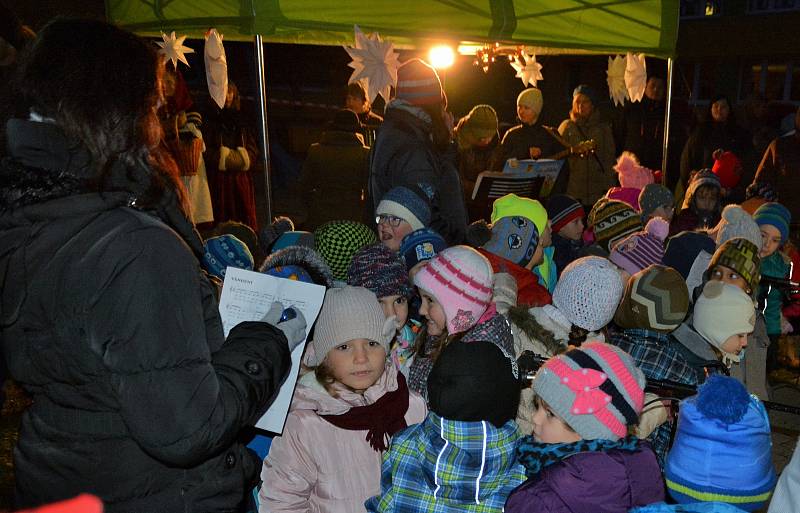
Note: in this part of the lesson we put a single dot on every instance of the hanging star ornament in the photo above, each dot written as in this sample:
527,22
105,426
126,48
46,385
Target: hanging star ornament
172,47
528,70
374,64
616,80
216,67
635,76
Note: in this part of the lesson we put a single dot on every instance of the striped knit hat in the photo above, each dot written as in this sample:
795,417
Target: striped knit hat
741,256
641,249
776,215
380,270
563,209
723,449
460,279
612,221
596,389
656,299
406,204
338,241
418,83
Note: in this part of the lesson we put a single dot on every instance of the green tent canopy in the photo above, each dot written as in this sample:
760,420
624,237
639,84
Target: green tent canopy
568,26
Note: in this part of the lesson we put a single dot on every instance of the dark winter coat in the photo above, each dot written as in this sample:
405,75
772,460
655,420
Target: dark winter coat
518,141
780,167
699,150
108,322
334,179
644,131
404,155
596,482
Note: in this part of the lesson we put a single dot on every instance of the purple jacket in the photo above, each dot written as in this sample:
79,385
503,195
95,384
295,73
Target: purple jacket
596,482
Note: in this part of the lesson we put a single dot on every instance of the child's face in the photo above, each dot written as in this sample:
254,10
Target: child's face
735,343
391,236
770,240
548,428
573,230
706,198
546,238
396,305
727,275
538,256
357,364
665,212
432,310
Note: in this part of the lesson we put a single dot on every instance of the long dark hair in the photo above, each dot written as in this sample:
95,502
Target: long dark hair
101,86
708,122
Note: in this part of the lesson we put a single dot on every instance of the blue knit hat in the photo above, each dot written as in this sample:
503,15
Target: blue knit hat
514,238
408,205
722,449
776,215
585,90
293,238
421,245
226,251
380,270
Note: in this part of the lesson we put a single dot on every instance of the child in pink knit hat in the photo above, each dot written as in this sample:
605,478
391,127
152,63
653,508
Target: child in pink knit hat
633,177
456,292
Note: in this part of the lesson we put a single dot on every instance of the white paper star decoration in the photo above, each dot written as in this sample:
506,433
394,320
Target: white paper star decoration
216,67
530,72
374,63
172,47
635,76
616,80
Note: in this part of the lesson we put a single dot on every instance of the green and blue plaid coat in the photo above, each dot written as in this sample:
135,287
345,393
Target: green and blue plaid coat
443,466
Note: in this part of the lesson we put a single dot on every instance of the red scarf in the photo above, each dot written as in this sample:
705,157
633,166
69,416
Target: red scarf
381,419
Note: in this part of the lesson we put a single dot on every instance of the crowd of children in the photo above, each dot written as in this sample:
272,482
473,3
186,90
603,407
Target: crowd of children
413,326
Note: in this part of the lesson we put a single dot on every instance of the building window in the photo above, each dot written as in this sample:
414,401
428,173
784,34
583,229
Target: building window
770,6
703,8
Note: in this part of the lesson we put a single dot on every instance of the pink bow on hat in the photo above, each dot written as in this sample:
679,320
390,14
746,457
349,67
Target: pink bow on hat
589,399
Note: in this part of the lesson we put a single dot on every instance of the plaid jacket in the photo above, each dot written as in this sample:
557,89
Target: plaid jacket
443,466
658,358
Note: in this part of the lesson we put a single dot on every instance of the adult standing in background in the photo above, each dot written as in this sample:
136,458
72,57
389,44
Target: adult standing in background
780,168
138,397
643,126
414,148
590,176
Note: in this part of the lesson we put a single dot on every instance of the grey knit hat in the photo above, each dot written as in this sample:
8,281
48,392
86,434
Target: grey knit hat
736,222
588,292
348,313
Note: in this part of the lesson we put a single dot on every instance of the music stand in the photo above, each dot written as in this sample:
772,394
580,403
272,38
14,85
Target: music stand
530,179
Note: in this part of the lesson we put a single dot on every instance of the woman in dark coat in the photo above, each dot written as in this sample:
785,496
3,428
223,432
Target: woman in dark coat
718,131
105,316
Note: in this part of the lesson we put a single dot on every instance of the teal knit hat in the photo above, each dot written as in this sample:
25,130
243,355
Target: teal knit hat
776,215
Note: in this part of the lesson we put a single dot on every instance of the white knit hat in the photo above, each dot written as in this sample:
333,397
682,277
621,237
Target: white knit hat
348,313
723,310
736,222
588,292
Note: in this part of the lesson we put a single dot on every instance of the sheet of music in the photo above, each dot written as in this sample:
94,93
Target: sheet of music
247,296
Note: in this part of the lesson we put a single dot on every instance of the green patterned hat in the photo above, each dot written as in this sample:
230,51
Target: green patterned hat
741,256
339,241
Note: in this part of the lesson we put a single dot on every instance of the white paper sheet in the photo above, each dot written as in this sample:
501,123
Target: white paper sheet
247,296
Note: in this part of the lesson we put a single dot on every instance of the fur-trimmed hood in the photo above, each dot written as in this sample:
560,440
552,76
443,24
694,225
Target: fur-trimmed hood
304,257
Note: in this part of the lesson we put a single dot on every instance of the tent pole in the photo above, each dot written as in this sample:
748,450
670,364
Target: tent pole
667,115
262,103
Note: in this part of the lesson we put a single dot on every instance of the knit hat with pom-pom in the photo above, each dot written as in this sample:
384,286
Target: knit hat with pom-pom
612,221
588,292
722,449
631,173
641,249
735,222
728,169
272,232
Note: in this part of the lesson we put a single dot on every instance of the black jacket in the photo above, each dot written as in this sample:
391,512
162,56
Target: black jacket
403,155
108,321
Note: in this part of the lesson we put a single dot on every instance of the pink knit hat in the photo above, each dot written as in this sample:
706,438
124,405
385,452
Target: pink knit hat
460,279
631,173
641,249
418,83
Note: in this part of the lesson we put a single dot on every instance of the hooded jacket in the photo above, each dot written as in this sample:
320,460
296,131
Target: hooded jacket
107,320
597,482
443,466
318,467
545,331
